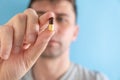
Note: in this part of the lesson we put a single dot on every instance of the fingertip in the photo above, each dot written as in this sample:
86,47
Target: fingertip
45,17
51,14
4,56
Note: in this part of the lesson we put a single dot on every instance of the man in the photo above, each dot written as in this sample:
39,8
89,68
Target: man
29,51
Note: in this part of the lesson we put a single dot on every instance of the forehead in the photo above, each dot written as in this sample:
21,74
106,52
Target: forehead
55,6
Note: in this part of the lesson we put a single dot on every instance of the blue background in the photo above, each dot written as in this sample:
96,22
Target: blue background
98,43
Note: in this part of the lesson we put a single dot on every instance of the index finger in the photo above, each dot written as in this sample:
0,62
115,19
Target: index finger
43,20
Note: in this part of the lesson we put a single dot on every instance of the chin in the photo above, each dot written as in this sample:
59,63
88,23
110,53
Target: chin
53,51
51,54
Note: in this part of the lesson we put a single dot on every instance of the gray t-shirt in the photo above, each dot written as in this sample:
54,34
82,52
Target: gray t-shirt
75,72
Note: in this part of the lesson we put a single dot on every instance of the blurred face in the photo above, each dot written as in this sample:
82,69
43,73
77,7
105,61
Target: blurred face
66,29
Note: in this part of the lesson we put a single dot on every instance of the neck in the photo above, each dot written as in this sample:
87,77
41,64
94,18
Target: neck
51,69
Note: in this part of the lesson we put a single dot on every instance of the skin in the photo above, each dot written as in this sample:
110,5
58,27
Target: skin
25,37
54,61
60,41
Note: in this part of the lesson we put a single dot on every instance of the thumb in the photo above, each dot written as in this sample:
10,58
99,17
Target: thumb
33,53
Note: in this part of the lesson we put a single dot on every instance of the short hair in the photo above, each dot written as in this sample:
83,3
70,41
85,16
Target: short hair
73,2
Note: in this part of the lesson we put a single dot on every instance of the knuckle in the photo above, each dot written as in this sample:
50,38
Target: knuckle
29,10
9,30
21,17
6,29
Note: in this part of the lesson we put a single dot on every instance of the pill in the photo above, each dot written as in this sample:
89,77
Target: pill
51,25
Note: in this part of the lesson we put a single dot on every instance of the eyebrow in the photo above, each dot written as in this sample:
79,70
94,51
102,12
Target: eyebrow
58,14
40,12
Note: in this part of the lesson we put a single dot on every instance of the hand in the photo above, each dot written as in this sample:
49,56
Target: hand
22,40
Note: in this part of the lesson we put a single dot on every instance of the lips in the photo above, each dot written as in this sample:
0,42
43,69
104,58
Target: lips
53,43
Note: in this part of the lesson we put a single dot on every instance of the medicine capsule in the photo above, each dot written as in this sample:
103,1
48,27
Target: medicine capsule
51,26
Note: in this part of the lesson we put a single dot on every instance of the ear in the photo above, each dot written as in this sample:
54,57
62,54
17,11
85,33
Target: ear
75,34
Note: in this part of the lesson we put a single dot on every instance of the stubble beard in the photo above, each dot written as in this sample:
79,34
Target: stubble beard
52,52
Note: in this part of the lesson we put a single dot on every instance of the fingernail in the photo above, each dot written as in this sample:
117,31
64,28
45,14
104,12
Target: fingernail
26,46
16,50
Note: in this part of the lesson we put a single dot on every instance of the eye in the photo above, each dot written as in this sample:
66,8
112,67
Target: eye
61,19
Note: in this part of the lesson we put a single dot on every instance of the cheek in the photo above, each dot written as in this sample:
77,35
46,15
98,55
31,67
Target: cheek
67,35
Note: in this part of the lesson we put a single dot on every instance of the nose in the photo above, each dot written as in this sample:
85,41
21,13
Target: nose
56,25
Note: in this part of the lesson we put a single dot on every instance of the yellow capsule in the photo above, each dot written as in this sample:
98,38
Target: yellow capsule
51,27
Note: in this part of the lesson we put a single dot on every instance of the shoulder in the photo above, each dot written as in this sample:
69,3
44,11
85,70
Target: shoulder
87,74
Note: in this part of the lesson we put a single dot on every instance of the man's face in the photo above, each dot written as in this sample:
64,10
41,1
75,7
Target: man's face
66,29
